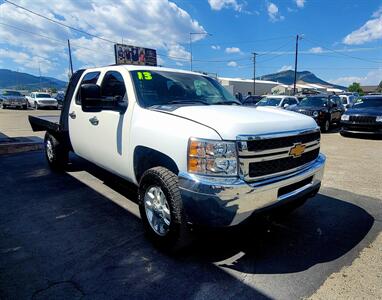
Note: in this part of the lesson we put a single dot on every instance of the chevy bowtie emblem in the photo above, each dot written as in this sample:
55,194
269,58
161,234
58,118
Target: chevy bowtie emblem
297,150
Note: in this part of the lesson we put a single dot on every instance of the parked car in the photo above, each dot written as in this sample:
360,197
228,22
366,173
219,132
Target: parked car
251,100
278,101
197,156
348,100
326,110
10,98
365,116
41,100
60,98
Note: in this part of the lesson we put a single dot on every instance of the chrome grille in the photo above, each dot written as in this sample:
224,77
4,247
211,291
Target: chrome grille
265,156
306,112
362,119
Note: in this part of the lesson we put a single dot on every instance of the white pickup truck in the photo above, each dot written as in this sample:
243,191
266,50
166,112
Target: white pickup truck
197,156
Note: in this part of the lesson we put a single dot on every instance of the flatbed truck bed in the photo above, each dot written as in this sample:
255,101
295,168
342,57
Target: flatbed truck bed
45,123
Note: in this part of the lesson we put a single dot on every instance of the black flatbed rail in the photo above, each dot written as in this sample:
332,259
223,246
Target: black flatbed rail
45,123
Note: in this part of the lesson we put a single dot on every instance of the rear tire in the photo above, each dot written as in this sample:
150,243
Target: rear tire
25,107
166,228
56,153
326,126
3,106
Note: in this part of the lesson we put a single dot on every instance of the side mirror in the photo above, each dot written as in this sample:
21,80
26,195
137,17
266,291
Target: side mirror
91,100
348,105
285,105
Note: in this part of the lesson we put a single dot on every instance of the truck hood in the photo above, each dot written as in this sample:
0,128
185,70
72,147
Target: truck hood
45,99
230,121
369,111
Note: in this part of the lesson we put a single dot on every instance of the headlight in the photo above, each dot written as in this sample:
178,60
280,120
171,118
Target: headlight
379,119
206,157
345,118
315,114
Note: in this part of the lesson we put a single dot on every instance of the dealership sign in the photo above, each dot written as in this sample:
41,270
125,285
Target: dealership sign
125,54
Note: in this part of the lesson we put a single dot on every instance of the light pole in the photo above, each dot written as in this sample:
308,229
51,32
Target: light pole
191,34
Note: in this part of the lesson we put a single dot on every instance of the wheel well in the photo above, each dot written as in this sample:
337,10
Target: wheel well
146,158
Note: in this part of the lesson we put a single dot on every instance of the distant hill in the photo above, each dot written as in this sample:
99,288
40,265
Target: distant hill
287,77
25,81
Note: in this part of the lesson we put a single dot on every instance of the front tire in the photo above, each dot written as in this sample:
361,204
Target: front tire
3,106
36,106
161,210
56,153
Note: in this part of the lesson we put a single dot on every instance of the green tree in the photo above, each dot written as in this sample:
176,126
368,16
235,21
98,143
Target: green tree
355,87
53,90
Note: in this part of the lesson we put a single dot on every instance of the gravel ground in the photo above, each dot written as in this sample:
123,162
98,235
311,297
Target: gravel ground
355,165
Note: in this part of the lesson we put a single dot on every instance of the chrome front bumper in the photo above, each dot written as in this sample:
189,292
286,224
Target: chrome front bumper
221,202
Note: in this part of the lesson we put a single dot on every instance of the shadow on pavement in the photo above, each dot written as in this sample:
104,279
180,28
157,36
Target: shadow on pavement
61,239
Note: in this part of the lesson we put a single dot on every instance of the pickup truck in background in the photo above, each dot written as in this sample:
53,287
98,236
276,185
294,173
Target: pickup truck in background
197,156
12,99
41,100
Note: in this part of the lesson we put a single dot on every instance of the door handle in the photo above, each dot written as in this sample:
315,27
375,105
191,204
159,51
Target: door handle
73,115
94,121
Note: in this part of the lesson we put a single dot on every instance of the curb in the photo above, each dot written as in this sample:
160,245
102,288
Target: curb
10,148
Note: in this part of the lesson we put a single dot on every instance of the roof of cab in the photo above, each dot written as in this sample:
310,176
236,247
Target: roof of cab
143,68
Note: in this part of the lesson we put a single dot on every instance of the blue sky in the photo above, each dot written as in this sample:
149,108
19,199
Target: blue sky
341,39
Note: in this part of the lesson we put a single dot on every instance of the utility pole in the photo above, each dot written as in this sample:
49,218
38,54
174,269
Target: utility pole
70,59
254,73
194,33
295,67
39,72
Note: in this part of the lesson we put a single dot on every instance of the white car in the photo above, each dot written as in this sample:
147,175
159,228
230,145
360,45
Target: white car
281,101
197,156
348,100
41,100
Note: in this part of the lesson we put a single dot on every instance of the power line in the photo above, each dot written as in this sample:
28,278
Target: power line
341,53
60,23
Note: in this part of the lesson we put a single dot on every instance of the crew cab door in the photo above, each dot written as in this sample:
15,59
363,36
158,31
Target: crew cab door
101,136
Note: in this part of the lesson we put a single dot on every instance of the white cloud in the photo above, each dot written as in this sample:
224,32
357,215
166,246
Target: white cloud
300,3
29,61
316,50
273,13
220,4
178,52
215,47
285,68
371,78
159,24
370,31
232,64
232,50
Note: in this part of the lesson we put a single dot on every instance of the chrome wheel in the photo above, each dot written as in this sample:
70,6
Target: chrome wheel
157,210
49,150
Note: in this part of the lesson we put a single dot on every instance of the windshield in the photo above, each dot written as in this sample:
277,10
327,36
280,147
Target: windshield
368,102
43,96
11,93
314,101
162,87
269,102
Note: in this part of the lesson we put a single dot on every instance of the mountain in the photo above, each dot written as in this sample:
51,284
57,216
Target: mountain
287,77
25,81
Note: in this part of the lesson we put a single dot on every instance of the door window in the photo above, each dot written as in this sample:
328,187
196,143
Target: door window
91,77
113,86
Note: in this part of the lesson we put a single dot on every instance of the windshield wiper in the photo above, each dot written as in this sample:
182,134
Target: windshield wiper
187,102
227,102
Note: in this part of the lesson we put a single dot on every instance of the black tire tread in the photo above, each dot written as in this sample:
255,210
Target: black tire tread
61,153
178,236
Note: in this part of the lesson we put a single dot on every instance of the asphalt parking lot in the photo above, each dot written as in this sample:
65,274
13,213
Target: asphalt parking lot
78,235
